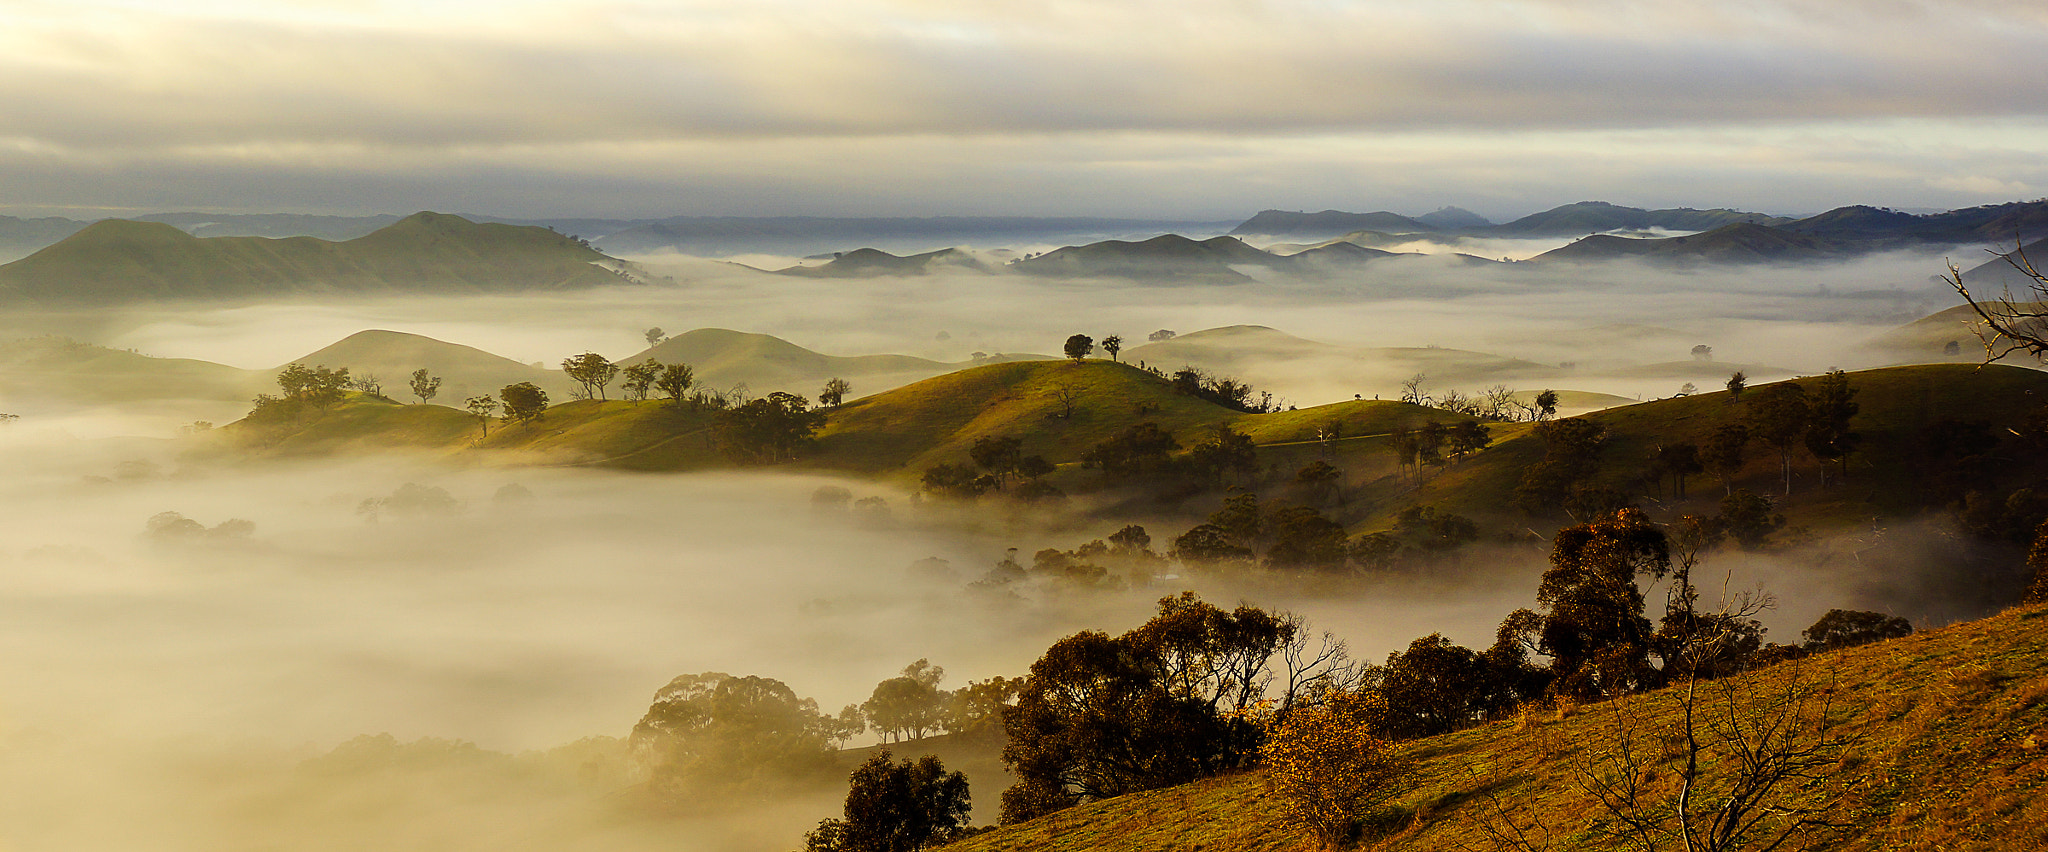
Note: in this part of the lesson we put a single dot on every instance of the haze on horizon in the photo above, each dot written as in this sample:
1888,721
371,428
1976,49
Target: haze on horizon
1204,109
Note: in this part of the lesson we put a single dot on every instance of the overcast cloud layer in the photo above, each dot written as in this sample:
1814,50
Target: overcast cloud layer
915,107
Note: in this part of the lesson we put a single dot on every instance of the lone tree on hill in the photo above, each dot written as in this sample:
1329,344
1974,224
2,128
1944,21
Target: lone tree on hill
1737,383
524,402
1161,335
655,336
592,371
1112,345
482,407
835,392
425,386
1079,346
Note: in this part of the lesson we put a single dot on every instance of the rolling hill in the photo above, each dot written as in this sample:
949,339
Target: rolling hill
1944,751
1285,223
870,263
1587,217
1738,243
65,371
115,261
725,359
392,356
1169,256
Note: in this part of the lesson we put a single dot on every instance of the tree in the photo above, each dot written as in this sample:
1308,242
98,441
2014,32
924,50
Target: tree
1593,628
1703,352
834,393
896,807
1133,451
654,336
1161,335
1749,518
639,379
674,381
1679,460
1078,347
2011,324
1435,687
425,386
523,402
910,705
482,407
1112,345
1828,436
1757,766
1303,538
772,428
1163,704
592,371
713,733
1320,481
317,386
1228,453
1779,415
1411,390
1737,383
1723,451
1546,405
1000,456
1847,628
1330,771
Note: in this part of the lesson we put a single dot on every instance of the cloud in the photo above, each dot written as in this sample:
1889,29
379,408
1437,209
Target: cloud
724,103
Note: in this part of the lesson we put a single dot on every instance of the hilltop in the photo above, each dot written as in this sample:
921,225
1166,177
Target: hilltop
723,359
465,371
870,263
1742,242
115,261
1944,752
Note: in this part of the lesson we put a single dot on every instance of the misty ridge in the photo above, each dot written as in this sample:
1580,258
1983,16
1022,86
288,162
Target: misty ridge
381,620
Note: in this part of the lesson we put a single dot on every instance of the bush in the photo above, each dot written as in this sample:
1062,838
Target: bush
1332,775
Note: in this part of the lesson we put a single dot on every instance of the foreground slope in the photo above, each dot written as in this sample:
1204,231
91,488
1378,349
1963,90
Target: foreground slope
1947,751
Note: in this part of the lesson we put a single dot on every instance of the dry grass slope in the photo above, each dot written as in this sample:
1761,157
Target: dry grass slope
1950,731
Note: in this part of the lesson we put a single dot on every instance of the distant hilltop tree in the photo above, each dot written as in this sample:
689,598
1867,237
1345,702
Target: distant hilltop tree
1160,335
592,371
425,386
655,335
1703,352
1079,346
1112,345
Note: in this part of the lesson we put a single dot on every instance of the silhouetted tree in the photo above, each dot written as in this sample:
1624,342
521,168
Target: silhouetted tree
1435,687
1749,518
834,393
1828,436
674,381
592,372
1723,451
1678,460
1112,345
1164,704
1593,626
1079,345
1546,405
1703,352
1227,453
1737,383
425,386
1844,628
1161,335
2011,323
654,336
1779,415
523,402
1000,456
896,807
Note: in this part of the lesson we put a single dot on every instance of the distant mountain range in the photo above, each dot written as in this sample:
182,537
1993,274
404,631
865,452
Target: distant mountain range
116,260
1843,232
1166,258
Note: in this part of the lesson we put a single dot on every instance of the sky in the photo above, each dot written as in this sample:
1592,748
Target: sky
1197,109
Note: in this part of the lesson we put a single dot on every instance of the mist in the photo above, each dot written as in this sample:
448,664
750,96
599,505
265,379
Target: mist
434,680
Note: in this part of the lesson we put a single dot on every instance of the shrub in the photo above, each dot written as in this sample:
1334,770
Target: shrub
1331,773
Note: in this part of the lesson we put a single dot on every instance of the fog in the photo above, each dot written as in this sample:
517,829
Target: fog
205,684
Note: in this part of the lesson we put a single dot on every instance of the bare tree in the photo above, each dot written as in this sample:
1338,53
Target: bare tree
2010,324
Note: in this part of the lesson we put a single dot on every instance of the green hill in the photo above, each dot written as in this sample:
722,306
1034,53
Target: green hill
1741,242
870,263
67,371
392,356
1946,751
115,261
724,358
1168,256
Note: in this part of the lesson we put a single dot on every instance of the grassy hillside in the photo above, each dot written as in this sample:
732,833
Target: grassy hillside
1897,403
724,358
1946,751
114,261
465,371
64,370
